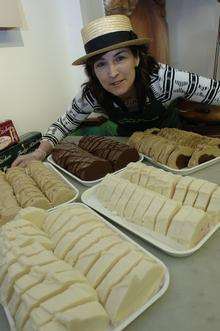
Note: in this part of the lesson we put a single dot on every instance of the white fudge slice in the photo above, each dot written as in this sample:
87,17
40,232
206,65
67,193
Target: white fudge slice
15,271
34,215
21,285
91,255
52,268
53,326
122,203
70,226
151,213
121,189
71,238
75,295
89,316
165,215
106,262
181,188
38,317
189,226
33,297
142,206
86,242
106,189
132,204
214,203
134,290
193,190
116,274
44,257
204,195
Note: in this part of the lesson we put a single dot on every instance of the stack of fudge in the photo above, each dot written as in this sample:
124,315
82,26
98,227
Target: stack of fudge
176,148
93,157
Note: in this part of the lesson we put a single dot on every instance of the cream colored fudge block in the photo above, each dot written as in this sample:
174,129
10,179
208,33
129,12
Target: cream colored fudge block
44,257
53,326
71,238
106,262
153,210
75,295
38,317
86,242
88,257
21,285
182,188
189,226
29,250
193,191
89,316
134,290
32,299
142,206
15,271
121,189
106,189
116,274
8,259
122,203
71,225
34,215
214,203
165,216
132,204
52,268
204,195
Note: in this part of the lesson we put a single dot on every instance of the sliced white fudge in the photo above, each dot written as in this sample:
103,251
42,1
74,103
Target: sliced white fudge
214,203
204,195
165,215
34,215
151,213
189,226
142,206
181,188
89,316
133,202
192,192
134,289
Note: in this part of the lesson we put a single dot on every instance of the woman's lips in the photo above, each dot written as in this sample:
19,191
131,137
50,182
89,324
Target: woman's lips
118,82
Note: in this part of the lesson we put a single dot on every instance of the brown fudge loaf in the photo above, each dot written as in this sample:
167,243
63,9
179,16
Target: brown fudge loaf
118,154
79,162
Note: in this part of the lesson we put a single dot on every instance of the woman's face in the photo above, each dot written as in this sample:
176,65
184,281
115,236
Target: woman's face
115,71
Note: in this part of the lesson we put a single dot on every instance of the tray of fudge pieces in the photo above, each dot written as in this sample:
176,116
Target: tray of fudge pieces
175,213
70,269
92,158
37,185
175,150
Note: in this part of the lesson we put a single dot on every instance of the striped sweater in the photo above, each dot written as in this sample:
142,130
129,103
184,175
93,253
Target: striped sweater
167,85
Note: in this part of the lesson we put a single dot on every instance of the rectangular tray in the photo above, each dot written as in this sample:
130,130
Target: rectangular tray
166,244
183,171
50,166
132,317
83,182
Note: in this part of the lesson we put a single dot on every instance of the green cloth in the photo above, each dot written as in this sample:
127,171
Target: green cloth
108,128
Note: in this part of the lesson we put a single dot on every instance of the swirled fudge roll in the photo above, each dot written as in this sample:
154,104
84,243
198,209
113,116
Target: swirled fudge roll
118,154
203,155
79,162
180,157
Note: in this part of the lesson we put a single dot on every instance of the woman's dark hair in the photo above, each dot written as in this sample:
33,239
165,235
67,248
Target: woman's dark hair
147,67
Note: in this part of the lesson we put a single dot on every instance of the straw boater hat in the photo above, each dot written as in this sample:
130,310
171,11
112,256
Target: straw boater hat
108,33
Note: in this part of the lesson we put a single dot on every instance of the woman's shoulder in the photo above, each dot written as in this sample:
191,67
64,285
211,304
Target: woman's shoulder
84,97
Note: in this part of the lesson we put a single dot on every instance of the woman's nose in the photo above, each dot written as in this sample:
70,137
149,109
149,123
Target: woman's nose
112,70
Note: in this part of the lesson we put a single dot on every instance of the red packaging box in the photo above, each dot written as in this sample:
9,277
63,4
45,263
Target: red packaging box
8,134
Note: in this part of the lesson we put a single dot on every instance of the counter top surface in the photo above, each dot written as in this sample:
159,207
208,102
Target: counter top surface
192,301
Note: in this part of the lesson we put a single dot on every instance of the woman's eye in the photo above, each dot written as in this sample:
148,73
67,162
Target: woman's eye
99,64
120,58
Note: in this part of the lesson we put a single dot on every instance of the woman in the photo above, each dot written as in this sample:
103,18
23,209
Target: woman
125,84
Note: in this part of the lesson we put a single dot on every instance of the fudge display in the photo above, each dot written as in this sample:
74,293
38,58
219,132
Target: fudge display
175,148
90,278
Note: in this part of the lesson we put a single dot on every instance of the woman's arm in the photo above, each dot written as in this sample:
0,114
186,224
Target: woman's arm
174,83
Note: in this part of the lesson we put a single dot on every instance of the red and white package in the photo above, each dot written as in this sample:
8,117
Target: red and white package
8,134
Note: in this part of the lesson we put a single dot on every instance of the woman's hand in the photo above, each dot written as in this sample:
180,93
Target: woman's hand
23,160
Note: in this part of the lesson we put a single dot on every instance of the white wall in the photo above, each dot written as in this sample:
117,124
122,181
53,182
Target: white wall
37,80
193,26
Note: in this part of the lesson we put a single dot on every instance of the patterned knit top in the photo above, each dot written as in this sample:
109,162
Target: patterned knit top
166,86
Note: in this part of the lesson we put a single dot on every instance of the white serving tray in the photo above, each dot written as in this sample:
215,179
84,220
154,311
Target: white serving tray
50,166
132,317
183,171
164,243
84,182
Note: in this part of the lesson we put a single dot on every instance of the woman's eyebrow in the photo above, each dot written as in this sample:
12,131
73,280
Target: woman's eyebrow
123,51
